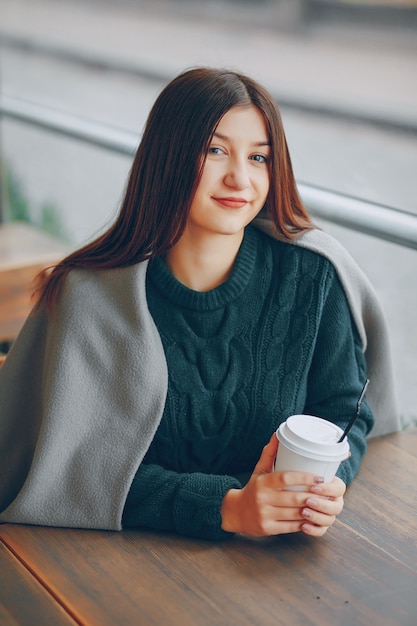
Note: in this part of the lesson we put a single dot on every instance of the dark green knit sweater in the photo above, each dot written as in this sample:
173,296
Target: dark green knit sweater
274,340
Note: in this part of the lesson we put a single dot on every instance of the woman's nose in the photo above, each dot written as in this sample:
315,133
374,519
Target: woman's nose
237,175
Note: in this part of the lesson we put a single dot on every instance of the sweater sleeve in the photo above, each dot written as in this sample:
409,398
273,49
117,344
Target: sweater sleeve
337,375
185,503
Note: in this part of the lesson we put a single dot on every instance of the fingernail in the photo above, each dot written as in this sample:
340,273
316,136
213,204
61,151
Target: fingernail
306,513
316,489
318,480
311,502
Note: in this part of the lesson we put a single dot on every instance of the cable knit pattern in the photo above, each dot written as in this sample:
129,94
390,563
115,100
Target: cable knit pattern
241,359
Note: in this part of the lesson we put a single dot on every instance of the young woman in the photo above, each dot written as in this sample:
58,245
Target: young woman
146,386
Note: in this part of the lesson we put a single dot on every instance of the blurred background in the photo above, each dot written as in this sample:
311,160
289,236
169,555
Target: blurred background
77,79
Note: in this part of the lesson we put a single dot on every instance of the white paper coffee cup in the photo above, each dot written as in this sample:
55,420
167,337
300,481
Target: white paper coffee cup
310,444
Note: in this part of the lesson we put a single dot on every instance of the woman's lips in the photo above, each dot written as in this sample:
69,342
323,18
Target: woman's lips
232,203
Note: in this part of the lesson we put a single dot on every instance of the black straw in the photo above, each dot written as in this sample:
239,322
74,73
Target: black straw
358,410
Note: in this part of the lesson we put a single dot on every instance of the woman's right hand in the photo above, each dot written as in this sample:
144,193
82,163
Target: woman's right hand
265,506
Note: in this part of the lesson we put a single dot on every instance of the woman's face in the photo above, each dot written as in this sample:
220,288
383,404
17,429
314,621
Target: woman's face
236,175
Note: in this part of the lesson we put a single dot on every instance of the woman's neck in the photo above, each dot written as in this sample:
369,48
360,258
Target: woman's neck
203,265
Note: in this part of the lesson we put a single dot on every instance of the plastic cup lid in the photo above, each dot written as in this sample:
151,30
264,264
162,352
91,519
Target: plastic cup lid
313,437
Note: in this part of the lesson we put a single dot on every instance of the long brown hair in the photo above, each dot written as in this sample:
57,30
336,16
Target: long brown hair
167,168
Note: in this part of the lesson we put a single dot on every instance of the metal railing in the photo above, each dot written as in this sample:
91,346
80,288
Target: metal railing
393,225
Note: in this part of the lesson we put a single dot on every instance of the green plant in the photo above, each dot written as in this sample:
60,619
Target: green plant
408,422
17,207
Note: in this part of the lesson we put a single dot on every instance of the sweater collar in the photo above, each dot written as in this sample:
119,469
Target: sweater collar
228,291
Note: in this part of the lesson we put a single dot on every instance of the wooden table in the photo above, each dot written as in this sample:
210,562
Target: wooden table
24,251
363,571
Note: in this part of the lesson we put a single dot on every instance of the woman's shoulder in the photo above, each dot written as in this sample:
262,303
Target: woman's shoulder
360,294
322,243
92,281
319,242
87,278
86,291
304,254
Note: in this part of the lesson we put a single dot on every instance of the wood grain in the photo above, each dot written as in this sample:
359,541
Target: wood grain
23,601
362,572
381,505
142,577
16,286
24,251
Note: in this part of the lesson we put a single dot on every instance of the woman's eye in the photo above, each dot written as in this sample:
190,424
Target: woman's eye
260,158
215,150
